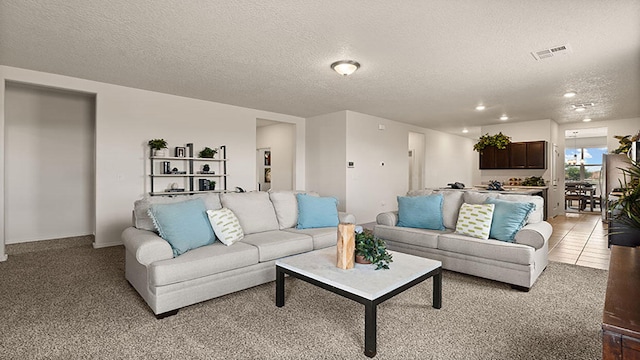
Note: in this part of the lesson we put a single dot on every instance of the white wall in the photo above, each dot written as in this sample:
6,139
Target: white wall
49,162
417,145
127,118
449,158
280,138
614,127
326,138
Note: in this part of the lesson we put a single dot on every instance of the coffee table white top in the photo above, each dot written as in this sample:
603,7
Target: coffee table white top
362,280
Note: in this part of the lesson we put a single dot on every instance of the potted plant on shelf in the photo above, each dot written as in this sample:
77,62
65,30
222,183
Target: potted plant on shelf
498,140
625,224
158,146
208,152
372,250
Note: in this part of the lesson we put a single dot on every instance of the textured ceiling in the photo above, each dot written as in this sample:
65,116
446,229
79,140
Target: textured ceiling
427,63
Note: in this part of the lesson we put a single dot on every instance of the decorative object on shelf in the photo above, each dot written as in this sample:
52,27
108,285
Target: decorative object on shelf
372,249
346,246
533,181
498,140
166,167
625,142
495,185
158,146
181,151
207,152
206,185
206,168
175,171
174,187
267,175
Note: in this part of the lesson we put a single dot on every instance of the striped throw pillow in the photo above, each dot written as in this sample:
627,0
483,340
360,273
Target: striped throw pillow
225,225
475,220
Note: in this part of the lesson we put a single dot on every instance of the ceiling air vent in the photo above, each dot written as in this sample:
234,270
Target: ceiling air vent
552,52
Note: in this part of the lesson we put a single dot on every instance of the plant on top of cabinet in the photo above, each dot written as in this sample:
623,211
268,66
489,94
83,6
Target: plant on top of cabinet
207,152
498,140
158,146
625,143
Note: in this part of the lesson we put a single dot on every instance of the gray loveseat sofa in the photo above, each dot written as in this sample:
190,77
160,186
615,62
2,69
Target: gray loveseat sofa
518,263
268,221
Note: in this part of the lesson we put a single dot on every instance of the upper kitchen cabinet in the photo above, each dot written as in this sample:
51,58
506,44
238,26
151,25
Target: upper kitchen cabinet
518,155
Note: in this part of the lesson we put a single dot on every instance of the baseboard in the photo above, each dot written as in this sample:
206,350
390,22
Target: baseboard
3,257
104,245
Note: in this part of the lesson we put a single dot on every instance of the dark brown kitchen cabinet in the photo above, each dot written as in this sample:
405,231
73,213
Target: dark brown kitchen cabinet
493,158
518,155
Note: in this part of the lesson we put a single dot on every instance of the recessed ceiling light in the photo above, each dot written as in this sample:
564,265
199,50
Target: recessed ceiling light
480,107
464,131
570,94
580,109
504,118
586,120
345,67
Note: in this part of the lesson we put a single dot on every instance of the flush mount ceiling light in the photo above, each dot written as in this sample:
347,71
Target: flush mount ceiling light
580,109
504,118
480,107
345,67
570,94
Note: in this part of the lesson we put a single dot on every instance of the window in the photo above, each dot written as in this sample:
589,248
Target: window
583,164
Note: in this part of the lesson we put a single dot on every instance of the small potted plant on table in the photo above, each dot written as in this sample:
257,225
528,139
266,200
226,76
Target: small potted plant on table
372,250
208,152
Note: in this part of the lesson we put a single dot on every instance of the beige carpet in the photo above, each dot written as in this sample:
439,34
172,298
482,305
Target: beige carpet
66,300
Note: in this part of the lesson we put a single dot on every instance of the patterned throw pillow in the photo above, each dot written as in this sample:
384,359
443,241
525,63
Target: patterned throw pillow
475,220
226,225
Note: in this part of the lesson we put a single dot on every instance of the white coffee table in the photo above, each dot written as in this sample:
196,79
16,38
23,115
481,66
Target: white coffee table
363,283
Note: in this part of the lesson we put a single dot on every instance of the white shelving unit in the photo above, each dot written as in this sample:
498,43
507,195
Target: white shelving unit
191,175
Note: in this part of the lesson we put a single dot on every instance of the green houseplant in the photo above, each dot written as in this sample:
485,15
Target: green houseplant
158,146
498,140
207,152
625,143
626,209
372,249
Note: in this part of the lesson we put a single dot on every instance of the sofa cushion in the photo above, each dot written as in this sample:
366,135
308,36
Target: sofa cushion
474,197
322,237
537,215
276,244
203,261
451,202
316,212
253,209
286,206
475,220
225,225
508,218
419,237
424,212
488,249
143,221
183,224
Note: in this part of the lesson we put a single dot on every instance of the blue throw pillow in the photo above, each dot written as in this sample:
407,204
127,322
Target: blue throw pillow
316,212
185,225
423,212
508,218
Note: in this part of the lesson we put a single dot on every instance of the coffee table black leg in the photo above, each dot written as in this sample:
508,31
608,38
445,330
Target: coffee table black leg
279,287
437,290
370,323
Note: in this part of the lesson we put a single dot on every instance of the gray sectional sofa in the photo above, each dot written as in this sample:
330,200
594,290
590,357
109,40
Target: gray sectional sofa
268,220
518,263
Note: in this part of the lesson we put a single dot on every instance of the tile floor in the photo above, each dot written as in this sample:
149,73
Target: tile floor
580,239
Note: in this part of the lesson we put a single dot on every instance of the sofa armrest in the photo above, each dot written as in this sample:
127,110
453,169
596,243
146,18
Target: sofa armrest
346,217
389,218
146,245
534,235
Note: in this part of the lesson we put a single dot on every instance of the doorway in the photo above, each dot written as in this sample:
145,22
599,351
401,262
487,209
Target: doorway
49,163
275,155
416,160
